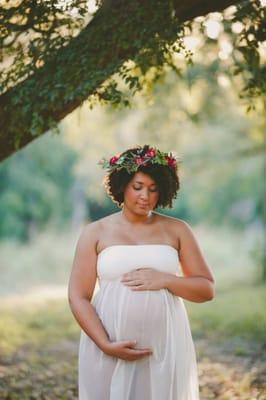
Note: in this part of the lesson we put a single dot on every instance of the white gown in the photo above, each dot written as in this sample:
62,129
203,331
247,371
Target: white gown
155,318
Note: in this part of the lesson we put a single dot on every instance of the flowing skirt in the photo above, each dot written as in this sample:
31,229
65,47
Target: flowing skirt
157,320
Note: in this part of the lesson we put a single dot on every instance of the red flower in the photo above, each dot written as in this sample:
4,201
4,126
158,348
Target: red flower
113,160
138,160
150,153
171,162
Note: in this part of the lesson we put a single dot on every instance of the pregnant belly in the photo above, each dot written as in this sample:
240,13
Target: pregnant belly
132,315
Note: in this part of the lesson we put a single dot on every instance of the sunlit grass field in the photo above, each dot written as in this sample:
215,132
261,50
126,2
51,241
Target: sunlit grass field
239,312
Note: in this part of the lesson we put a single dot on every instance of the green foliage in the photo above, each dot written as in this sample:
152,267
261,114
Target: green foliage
253,35
35,188
56,34
247,63
48,25
140,157
237,196
221,153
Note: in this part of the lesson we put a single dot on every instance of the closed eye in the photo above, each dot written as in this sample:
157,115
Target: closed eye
151,190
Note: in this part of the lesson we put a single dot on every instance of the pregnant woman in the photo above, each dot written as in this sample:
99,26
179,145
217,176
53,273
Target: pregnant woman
136,342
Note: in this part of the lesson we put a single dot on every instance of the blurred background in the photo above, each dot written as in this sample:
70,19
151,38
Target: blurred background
53,187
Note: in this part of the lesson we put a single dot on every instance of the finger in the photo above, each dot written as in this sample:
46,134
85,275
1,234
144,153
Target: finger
138,357
133,274
129,343
129,277
147,354
139,287
133,283
139,351
146,351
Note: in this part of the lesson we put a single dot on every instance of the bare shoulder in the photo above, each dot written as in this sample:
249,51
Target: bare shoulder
90,229
108,220
93,230
175,229
182,229
176,224
88,236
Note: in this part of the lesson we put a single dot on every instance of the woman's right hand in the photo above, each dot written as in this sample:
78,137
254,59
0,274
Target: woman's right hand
125,350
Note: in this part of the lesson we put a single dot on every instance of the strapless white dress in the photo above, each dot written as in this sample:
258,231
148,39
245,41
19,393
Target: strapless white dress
155,318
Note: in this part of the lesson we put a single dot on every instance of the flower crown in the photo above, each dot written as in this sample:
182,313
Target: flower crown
132,160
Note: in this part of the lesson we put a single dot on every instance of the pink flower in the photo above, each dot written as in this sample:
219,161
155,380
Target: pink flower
138,160
113,160
171,162
150,153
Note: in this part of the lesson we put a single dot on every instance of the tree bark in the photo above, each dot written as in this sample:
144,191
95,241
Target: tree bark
28,109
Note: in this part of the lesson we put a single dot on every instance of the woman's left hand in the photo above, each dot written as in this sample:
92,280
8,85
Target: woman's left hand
144,279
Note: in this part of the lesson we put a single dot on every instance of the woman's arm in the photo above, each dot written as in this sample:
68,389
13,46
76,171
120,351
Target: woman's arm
81,286
80,290
196,289
198,282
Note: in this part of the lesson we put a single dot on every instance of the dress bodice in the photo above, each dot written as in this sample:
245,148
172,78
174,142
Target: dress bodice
116,260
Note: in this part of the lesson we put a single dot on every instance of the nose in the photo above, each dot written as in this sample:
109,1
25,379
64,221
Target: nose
144,194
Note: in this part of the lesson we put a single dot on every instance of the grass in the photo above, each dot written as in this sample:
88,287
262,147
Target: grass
239,311
39,347
46,260
236,313
37,325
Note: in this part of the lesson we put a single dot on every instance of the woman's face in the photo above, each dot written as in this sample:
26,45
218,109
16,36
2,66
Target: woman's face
141,193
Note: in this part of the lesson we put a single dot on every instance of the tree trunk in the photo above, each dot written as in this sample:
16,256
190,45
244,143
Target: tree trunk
116,34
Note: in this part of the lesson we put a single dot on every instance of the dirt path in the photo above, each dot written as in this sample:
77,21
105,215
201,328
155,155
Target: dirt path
231,370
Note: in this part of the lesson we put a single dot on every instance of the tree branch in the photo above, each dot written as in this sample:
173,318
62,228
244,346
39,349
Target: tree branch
116,33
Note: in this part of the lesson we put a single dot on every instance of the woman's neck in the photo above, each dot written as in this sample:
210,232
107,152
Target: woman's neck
133,218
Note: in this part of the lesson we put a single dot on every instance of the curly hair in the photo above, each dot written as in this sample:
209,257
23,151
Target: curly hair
165,177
